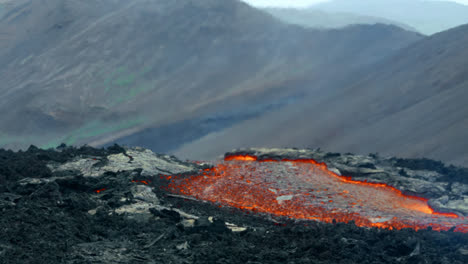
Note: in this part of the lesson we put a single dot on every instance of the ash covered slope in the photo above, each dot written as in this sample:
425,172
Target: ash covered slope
27,27
412,104
418,102
106,206
94,71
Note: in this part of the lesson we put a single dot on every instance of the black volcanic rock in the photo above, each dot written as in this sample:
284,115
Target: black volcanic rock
64,219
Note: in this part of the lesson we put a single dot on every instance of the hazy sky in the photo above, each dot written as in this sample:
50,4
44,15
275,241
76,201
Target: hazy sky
302,3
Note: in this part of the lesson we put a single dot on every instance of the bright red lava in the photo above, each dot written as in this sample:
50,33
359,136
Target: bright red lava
306,189
100,190
144,182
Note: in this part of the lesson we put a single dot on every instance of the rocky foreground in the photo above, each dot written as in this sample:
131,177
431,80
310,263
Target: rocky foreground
91,205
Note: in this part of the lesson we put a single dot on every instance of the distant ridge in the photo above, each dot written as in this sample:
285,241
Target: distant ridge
427,17
310,17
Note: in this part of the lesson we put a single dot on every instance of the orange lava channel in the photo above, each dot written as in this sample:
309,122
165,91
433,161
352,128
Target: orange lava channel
305,189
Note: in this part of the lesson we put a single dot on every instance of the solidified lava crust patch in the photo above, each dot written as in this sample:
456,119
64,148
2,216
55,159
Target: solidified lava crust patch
305,189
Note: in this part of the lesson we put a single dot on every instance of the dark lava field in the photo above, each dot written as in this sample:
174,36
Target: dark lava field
86,205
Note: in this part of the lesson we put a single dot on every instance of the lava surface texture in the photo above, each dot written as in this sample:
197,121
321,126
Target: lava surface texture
85,205
305,189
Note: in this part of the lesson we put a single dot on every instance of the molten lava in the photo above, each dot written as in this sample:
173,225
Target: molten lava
100,190
144,182
306,189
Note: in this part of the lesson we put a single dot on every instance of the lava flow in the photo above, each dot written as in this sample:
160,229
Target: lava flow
305,189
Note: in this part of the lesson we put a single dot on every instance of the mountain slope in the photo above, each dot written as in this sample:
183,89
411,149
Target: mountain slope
427,17
94,72
412,104
310,17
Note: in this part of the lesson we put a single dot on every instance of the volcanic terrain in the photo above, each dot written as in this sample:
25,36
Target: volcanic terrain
132,71
130,205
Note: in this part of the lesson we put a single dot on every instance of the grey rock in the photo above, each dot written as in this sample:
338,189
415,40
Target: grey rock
144,193
106,252
183,246
463,250
145,199
135,158
4,248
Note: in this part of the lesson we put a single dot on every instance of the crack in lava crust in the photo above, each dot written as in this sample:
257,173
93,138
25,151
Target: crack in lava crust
305,189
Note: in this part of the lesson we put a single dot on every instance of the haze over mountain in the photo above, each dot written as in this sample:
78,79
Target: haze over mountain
427,17
310,17
412,104
161,73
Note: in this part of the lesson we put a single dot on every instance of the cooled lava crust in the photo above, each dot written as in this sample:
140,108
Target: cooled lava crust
110,205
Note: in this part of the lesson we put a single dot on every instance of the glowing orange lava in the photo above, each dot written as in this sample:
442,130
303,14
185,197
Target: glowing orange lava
306,189
100,190
241,158
144,182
